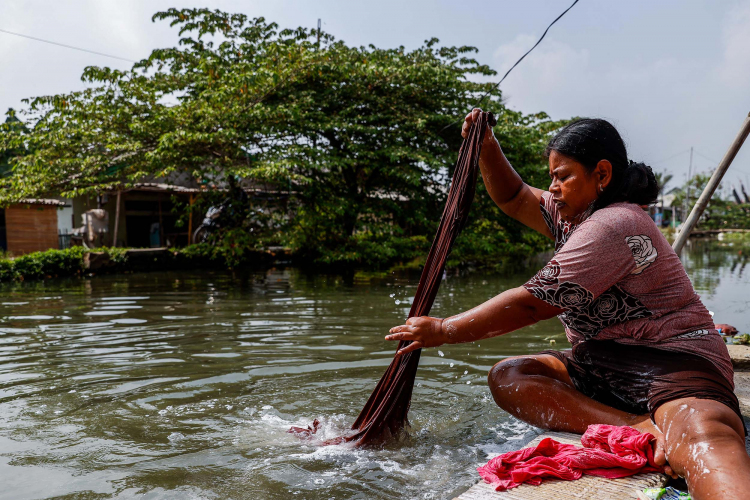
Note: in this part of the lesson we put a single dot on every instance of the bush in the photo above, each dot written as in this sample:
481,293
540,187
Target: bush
52,263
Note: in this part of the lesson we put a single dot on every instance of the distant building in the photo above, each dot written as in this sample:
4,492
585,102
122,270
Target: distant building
147,217
29,226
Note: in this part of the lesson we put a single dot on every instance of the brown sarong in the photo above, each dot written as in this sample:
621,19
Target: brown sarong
639,379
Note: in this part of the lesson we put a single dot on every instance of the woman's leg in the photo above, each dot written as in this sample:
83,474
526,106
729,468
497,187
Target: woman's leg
705,444
537,389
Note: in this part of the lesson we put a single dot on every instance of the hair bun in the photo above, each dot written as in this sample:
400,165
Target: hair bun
639,184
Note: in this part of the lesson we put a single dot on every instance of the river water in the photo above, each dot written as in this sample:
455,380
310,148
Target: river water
183,385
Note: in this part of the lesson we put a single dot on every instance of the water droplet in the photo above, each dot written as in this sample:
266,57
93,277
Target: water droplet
176,436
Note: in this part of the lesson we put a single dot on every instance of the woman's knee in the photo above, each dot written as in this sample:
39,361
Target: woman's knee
504,378
509,372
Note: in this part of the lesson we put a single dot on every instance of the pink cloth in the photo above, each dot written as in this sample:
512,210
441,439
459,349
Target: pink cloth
608,451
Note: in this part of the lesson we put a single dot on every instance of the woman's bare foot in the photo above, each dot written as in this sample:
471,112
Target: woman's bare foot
646,425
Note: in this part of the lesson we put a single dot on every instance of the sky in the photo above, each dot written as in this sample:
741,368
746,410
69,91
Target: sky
670,74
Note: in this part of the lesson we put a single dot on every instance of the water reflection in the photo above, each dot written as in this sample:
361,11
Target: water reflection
719,274
182,385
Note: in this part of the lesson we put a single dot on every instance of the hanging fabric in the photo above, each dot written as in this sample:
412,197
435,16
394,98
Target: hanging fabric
385,412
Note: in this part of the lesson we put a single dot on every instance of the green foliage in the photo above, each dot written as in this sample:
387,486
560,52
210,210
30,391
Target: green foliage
727,216
695,186
39,265
229,249
720,213
12,125
361,139
231,252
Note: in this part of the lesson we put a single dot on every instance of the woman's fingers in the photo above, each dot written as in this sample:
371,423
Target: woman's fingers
467,124
411,347
400,336
469,120
400,328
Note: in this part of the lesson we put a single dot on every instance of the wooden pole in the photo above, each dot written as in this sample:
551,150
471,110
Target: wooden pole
687,187
161,226
190,221
713,183
117,219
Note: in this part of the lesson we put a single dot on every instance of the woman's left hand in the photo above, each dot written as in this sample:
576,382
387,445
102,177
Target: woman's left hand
423,331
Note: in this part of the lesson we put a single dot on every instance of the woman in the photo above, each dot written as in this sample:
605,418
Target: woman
645,351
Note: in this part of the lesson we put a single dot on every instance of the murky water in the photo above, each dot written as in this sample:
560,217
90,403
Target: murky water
182,385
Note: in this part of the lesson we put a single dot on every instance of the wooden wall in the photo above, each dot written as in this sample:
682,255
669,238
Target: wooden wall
31,228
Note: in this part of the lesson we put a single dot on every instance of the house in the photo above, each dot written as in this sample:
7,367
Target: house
147,214
29,226
142,216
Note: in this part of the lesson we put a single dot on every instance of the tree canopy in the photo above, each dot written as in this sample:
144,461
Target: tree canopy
364,139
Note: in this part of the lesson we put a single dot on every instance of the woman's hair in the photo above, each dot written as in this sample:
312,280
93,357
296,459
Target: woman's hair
590,140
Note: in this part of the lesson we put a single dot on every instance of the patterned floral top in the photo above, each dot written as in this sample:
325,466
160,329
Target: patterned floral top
617,277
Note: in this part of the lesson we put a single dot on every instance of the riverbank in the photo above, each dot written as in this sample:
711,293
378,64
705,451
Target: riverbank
729,235
80,261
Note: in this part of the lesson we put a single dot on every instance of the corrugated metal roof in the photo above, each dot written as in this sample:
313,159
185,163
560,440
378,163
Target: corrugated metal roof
41,201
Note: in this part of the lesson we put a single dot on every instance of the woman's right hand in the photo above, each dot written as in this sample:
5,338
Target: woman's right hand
469,121
422,331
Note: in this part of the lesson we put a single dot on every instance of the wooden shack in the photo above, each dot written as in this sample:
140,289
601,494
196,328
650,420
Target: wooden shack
29,226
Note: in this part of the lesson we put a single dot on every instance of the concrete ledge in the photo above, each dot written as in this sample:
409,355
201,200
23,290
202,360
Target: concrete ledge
740,355
742,391
94,261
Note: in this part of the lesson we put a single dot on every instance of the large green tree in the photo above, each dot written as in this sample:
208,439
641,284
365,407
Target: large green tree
364,139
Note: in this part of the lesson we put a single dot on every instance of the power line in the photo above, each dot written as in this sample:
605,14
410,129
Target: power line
670,157
706,157
66,46
523,56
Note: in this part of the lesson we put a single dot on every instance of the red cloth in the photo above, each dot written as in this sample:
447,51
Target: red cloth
608,451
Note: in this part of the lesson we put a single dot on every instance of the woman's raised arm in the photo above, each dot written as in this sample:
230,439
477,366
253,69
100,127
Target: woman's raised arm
506,188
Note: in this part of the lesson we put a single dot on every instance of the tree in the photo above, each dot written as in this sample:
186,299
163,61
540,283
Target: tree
12,125
363,138
719,213
662,179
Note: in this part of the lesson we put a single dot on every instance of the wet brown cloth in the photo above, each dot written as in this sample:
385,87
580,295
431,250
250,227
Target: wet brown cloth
638,379
385,412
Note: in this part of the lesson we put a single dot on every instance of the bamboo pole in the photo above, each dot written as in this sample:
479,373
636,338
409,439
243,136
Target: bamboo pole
117,219
713,183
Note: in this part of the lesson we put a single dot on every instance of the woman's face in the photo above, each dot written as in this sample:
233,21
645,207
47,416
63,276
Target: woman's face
573,187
